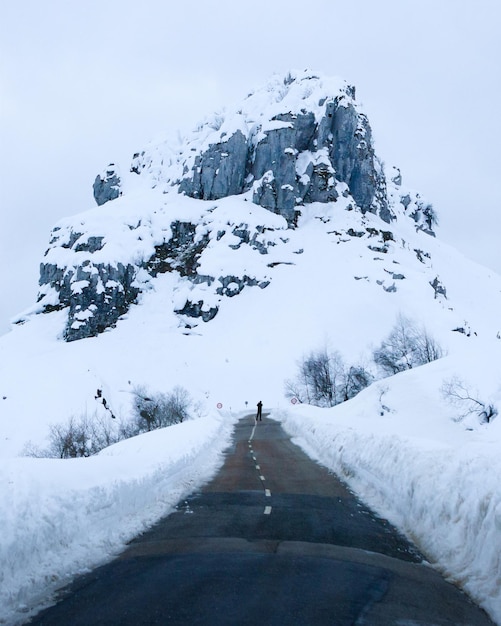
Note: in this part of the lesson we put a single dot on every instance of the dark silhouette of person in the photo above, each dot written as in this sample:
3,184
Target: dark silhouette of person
259,415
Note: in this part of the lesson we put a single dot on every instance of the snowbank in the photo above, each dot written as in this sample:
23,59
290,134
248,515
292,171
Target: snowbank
436,479
62,517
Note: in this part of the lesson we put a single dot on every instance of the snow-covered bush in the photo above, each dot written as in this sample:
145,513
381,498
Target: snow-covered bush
157,410
85,436
78,437
406,346
324,380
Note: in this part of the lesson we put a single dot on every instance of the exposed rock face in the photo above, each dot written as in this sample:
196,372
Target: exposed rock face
97,294
107,185
295,159
220,171
299,140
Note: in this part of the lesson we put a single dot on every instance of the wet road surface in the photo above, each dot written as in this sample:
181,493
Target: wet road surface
273,539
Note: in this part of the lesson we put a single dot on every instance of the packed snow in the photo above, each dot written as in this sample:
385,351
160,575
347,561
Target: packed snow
60,517
399,447
338,281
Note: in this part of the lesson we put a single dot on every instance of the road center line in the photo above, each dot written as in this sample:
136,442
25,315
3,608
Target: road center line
262,478
267,510
267,493
254,458
258,467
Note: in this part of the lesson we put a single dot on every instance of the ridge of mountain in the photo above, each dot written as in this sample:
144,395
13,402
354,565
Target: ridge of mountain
297,142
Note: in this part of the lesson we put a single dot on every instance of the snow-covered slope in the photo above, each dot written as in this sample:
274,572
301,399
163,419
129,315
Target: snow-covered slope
324,287
222,296
298,141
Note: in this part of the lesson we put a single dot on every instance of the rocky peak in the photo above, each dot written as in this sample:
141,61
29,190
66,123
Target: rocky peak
290,143
296,148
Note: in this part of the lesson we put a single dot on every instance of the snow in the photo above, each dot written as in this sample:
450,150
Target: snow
60,517
302,90
399,444
415,464
435,478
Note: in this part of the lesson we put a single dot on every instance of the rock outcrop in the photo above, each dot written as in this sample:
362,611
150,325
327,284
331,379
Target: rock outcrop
294,158
96,293
219,171
299,140
107,185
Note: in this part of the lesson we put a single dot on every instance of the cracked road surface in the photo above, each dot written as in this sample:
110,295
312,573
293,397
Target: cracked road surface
273,539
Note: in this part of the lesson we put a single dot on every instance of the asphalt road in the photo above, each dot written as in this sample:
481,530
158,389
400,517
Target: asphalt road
274,539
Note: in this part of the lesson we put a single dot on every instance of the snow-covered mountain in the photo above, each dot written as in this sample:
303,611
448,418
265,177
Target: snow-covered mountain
215,261
298,142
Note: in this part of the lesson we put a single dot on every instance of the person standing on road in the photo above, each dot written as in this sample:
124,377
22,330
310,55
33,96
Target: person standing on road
259,415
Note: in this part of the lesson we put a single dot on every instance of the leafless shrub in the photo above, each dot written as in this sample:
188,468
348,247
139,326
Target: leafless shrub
324,380
355,378
178,406
157,410
406,346
292,389
84,436
81,437
457,393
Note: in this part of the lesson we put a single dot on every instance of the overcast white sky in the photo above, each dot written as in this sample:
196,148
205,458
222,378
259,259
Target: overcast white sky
88,83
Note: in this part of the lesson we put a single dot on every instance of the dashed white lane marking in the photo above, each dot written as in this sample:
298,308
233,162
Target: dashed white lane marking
267,492
267,510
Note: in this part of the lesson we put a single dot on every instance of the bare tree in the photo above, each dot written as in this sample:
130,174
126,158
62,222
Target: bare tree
178,405
147,409
158,410
355,378
293,389
104,432
406,346
427,348
456,392
323,372
70,440
324,380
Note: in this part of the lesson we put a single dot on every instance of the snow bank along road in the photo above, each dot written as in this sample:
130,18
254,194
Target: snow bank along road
272,539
